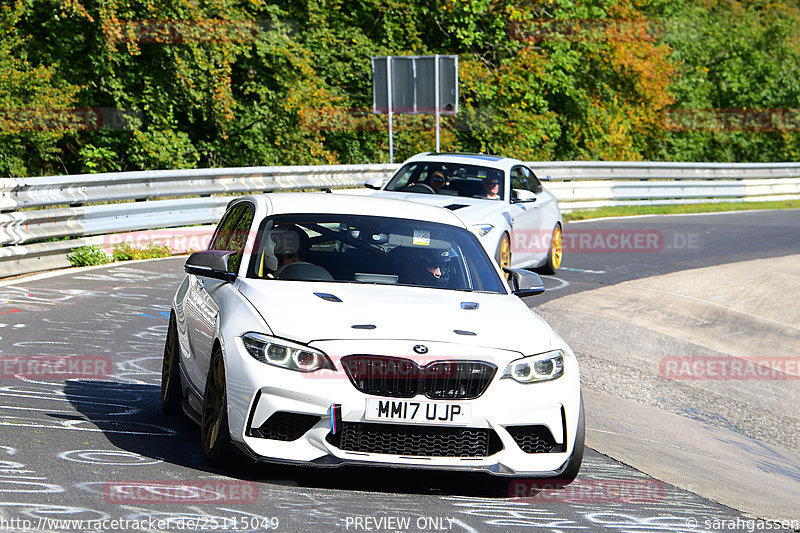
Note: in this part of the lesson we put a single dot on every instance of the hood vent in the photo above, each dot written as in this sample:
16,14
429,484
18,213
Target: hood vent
328,297
453,207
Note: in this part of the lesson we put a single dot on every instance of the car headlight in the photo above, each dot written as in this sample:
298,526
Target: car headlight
284,354
481,230
541,367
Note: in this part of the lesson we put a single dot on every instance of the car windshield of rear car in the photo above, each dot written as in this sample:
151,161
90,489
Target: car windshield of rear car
372,250
452,179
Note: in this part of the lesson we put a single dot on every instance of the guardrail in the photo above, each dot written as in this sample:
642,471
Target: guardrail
588,184
77,207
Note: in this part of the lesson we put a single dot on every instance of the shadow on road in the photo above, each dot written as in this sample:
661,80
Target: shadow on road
130,417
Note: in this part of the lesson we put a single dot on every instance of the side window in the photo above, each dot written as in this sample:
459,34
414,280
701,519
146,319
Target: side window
232,233
426,172
403,177
519,178
225,228
535,184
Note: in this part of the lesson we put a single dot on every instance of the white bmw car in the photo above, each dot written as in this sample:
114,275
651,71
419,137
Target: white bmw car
500,199
328,330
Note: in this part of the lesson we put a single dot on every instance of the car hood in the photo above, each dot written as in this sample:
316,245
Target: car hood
293,311
470,210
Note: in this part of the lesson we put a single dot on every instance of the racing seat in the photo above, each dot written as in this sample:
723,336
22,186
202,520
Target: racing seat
302,271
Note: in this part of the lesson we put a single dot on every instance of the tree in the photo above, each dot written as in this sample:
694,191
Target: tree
737,89
35,103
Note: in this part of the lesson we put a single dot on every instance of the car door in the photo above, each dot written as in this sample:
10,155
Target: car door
547,207
530,235
201,308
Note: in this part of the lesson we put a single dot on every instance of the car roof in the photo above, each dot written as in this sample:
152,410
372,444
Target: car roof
486,160
318,202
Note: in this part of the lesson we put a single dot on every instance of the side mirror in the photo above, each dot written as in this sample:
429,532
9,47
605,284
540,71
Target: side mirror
523,195
211,264
374,183
524,282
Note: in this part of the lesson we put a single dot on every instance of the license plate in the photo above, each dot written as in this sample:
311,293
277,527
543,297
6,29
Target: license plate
412,411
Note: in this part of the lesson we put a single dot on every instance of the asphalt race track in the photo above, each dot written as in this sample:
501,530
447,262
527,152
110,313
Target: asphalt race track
97,449
681,242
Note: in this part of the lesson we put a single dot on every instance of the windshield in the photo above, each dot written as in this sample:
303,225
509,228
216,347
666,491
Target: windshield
452,179
370,249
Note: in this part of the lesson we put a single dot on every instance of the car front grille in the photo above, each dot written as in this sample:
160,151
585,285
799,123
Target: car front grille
418,441
285,426
535,439
402,378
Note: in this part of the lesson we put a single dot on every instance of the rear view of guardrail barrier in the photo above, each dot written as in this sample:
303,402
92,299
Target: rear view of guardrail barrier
34,211
589,184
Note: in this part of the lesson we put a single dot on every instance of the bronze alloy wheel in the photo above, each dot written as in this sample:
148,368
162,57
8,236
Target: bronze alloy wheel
215,433
170,372
555,254
557,248
503,255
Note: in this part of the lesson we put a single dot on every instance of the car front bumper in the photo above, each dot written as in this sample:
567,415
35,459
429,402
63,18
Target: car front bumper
278,415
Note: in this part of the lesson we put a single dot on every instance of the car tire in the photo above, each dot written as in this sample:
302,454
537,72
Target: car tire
171,395
214,431
503,253
555,254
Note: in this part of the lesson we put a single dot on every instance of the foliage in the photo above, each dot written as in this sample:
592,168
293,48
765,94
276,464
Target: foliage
739,67
108,85
88,256
32,97
127,252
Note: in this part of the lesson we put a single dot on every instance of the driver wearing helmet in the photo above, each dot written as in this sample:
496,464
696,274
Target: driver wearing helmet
435,271
291,245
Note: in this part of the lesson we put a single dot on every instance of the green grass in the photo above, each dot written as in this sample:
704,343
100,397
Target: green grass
93,255
127,252
676,209
88,256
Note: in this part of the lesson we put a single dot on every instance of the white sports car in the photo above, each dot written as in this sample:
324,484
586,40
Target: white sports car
500,199
328,329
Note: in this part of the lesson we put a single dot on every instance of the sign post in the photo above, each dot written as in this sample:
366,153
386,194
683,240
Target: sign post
436,92
414,85
389,100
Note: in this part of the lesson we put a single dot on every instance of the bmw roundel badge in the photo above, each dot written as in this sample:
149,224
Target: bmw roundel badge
421,349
